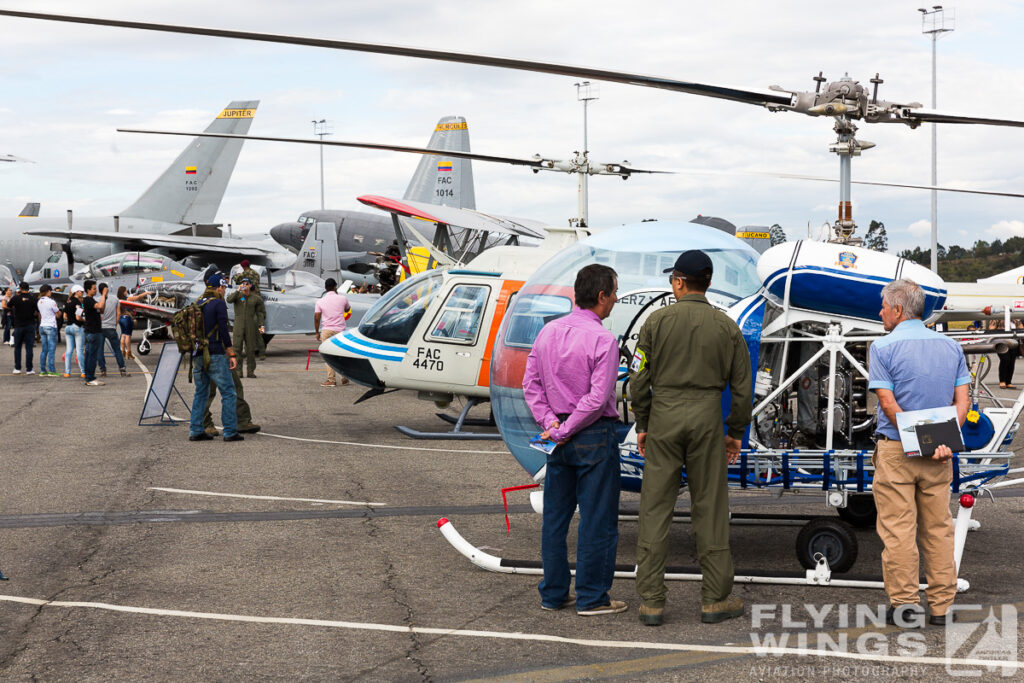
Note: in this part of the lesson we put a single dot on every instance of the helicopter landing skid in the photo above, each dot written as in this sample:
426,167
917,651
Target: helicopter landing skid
456,433
820,575
468,422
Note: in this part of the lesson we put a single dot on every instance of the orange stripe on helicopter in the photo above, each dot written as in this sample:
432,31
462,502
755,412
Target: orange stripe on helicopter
509,288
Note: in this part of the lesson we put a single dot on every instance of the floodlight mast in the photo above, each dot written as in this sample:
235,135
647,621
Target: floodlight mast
320,129
585,93
934,22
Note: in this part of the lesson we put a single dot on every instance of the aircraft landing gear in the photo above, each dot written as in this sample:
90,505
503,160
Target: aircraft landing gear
144,347
456,433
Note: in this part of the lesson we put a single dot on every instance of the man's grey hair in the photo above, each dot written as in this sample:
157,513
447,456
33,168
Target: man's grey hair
905,293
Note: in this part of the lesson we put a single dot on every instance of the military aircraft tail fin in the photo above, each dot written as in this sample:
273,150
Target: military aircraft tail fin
191,189
31,209
444,180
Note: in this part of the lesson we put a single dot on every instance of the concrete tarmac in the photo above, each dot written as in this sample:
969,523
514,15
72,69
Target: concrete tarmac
128,560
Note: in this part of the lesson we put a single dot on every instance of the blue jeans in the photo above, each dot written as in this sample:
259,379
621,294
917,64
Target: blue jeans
48,339
74,338
219,373
24,336
111,335
584,471
93,349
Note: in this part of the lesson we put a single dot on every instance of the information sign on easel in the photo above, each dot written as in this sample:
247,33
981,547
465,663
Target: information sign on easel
155,409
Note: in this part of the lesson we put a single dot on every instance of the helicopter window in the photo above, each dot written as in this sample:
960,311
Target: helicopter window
394,318
531,313
55,257
459,321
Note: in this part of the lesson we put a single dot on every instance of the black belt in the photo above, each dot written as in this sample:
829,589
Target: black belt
565,416
883,437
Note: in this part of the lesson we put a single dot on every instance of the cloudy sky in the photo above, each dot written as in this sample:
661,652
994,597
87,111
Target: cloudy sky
67,87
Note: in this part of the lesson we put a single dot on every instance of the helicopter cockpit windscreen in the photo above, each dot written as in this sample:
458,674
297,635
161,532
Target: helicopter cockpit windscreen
639,253
394,318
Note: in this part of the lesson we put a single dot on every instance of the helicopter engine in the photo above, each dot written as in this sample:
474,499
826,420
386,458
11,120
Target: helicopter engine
799,415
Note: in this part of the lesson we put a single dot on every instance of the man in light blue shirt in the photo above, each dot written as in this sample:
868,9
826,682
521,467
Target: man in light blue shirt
914,368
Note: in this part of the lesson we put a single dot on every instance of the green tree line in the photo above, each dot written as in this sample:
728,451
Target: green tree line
966,264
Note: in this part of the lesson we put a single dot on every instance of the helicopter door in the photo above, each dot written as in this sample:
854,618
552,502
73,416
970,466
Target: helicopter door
448,349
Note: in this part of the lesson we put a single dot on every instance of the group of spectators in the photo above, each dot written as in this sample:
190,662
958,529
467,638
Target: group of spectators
91,317
687,354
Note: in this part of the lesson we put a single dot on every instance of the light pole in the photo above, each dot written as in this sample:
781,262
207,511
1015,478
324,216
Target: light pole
320,129
935,22
585,93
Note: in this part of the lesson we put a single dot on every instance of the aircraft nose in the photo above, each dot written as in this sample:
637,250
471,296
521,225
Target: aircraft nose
356,369
290,235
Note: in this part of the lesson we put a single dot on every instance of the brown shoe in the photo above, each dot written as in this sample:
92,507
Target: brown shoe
328,383
250,428
652,616
344,380
729,608
212,432
613,607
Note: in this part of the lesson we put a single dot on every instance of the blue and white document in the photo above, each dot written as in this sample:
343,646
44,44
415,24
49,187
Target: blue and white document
542,445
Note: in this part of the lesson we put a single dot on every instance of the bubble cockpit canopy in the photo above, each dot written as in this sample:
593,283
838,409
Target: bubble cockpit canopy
639,253
394,318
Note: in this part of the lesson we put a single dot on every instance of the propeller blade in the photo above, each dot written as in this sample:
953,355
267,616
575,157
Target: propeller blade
12,158
928,116
708,90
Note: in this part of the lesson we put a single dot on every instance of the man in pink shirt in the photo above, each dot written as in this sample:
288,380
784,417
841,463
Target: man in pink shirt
569,385
332,309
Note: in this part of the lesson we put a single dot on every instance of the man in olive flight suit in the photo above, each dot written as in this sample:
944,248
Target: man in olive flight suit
250,315
687,355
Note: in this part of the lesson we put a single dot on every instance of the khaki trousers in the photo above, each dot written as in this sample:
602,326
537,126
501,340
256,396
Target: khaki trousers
685,429
326,334
912,496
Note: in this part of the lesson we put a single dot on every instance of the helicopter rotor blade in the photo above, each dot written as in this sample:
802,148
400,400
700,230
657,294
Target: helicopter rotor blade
708,90
823,179
929,116
774,98
537,163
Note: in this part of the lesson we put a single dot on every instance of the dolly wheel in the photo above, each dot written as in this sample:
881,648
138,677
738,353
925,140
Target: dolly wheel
833,538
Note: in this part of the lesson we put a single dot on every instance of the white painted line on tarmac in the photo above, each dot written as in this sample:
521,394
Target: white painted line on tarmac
374,445
253,497
530,637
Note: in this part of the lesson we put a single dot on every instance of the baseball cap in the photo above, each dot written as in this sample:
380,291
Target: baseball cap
215,280
691,263
75,289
